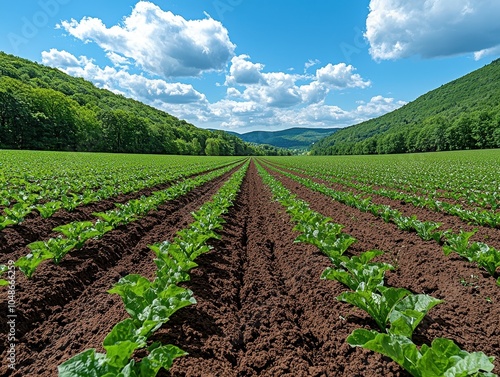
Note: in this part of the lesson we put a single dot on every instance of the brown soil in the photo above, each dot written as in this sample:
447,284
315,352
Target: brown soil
488,235
471,308
64,309
262,308
13,239
440,194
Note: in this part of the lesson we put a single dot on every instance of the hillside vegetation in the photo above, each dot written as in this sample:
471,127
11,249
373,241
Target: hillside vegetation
292,138
463,114
46,109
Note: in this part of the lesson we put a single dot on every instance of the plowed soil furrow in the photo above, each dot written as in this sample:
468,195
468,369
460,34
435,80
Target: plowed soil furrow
262,309
471,308
404,189
66,309
485,234
14,238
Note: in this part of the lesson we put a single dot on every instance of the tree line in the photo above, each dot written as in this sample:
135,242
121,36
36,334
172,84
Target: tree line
43,108
472,130
463,114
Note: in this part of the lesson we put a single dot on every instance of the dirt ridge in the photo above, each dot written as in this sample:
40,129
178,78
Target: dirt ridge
68,304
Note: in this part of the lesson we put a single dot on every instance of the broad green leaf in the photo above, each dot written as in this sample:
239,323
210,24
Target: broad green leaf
458,243
87,364
399,348
445,358
59,247
378,306
133,290
358,272
29,263
470,364
167,303
48,209
487,257
122,341
408,313
161,357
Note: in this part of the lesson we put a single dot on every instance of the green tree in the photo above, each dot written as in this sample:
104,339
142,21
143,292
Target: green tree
212,147
16,129
57,126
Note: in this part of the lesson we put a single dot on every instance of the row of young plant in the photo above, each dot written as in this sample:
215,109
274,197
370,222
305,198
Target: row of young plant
150,304
45,176
483,217
47,203
461,176
483,255
396,311
75,234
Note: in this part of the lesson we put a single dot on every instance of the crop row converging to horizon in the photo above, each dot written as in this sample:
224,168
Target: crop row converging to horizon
58,208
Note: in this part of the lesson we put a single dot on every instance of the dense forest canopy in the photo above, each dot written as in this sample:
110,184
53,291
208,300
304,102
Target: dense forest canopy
46,109
463,114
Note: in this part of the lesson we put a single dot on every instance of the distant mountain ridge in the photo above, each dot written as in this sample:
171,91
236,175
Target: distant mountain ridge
291,138
463,114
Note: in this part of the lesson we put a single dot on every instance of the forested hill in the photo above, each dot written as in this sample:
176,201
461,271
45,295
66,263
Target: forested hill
44,108
292,138
463,114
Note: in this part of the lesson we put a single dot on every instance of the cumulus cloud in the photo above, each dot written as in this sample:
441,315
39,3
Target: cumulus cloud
321,115
242,115
340,76
430,28
254,98
487,52
281,90
377,106
63,59
120,81
243,71
314,92
159,42
118,60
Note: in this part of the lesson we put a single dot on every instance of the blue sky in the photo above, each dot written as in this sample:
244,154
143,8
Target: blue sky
245,65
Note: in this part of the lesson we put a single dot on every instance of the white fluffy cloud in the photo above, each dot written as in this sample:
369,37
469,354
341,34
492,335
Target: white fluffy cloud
487,52
120,81
430,28
159,42
310,63
378,105
244,72
277,90
340,76
269,100
236,115
281,90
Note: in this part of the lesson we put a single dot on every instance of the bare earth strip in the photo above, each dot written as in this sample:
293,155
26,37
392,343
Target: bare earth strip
65,309
485,234
469,315
262,309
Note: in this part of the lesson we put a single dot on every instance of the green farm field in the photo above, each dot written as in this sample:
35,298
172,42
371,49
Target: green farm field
145,265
